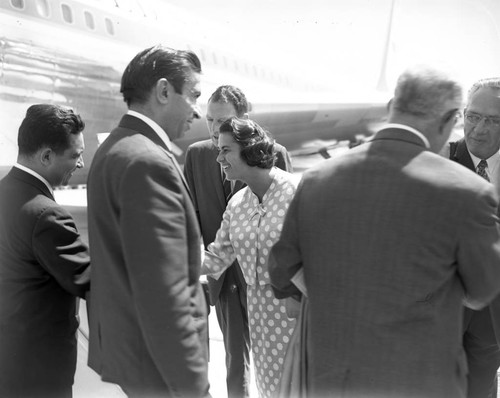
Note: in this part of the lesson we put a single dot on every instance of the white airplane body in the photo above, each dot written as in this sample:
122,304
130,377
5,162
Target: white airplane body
73,53
45,58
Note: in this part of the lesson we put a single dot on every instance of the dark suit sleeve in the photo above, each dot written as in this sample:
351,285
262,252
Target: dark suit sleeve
60,250
285,258
479,249
283,160
157,258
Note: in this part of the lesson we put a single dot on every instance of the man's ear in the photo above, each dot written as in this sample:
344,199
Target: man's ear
45,156
163,89
448,121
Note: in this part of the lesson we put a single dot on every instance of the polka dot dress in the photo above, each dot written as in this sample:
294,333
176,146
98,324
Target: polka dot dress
248,231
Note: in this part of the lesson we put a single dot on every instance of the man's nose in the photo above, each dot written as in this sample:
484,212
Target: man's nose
196,112
219,157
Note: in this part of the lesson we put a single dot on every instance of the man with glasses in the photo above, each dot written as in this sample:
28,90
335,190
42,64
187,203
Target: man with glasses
479,151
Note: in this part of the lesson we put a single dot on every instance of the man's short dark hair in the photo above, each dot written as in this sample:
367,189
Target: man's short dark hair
153,64
48,126
257,145
231,95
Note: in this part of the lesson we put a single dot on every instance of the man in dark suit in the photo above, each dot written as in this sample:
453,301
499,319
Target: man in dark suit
148,311
392,238
44,265
479,151
211,193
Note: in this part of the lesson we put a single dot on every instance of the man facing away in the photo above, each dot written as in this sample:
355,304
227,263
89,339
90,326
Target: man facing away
148,311
479,151
392,237
211,192
44,265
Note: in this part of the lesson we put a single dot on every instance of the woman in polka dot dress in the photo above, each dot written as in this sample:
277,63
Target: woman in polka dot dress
251,225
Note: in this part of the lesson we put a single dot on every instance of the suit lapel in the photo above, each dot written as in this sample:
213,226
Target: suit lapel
181,174
214,171
237,186
461,155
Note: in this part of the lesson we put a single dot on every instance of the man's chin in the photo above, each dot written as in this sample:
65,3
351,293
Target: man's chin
65,182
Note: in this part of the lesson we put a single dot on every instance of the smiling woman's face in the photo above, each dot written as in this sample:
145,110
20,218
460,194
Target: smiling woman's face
230,158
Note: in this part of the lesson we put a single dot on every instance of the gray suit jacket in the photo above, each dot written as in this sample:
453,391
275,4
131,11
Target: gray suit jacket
148,311
204,177
391,237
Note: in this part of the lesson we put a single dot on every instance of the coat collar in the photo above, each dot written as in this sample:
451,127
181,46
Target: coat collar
27,178
136,124
133,123
399,134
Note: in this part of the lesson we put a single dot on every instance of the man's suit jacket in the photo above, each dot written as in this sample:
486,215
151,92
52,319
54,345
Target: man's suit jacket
204,176
390,237
148,311
461,155
41,256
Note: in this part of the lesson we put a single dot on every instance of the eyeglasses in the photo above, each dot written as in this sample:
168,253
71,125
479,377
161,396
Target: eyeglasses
475,118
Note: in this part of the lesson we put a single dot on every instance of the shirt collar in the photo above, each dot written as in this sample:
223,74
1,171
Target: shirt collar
492,161
155,126
36,175
411,130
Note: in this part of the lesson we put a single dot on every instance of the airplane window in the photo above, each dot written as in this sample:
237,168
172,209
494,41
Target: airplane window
109,26
42,7
89,20
17,4
67,13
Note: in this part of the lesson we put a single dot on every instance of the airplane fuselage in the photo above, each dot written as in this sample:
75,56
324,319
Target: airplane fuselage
73,54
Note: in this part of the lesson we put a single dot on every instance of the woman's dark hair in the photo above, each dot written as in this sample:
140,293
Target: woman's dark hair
257,145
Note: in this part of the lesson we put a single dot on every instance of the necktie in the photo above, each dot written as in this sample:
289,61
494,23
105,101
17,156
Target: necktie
481,169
